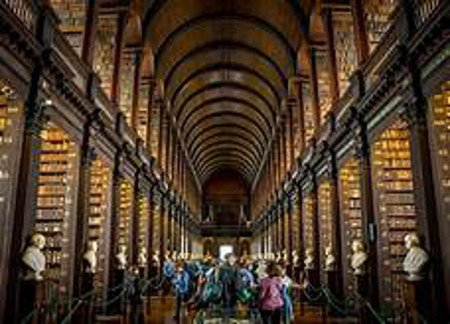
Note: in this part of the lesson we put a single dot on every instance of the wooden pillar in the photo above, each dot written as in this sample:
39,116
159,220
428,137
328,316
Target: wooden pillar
83,212
414,113
367,211
134,226
162,237
283,227
136,92
301,118
313,81
315,219
151,228
113,233
291,136
90,31
331,54
162,114
115,86
290,233
301,244
359,27
336,219
150,116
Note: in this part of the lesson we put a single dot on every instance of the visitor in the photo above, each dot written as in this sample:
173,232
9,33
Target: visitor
228,277
180,281
271,295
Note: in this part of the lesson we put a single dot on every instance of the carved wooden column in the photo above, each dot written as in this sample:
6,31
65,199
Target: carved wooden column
150,116
134,226
90,31
115,86
313,81
113,279
430,301
25,203
301,117
283,227
362,45
162,237
169,238
315,279
337,281
290,234
136,92
81,231
331,53
161,133
367,210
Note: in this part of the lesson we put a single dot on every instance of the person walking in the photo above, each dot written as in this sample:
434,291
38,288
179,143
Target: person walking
271,295
180,283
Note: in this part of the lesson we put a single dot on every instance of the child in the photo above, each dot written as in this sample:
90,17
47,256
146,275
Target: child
180,283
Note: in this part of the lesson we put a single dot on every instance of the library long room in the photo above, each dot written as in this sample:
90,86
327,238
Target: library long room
207,161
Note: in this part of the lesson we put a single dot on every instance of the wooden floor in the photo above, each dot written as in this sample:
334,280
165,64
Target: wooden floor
160,310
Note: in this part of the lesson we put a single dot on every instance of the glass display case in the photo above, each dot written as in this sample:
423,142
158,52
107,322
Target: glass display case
395,210
351,215
125,213
99,200
55,201
107,27
72,20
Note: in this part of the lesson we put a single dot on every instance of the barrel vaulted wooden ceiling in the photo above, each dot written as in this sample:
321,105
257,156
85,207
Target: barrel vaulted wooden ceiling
224,66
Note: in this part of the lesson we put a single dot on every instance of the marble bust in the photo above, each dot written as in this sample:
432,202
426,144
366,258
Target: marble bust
330,259
309,259
34,258
284,257
415,259
121,257
295,258
155,258
359,257
142,257
90,256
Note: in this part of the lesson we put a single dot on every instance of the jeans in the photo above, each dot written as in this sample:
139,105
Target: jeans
271,316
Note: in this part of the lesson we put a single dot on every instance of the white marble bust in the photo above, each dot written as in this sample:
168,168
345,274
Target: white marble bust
155,258
284,256
90,256
142,257
330,259
415,259
359,257
34,258
295,258
309,259
121,257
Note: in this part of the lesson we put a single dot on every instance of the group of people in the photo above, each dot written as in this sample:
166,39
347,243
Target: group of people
263,286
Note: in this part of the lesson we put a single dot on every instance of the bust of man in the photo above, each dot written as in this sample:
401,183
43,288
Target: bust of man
415,259
121,257
34,258
90,256
155,259
309,259
295,258
330,259
142,257
284,256
359,257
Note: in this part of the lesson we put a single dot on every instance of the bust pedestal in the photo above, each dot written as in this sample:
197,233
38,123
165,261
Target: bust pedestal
119,278
87,286
417,300
361,287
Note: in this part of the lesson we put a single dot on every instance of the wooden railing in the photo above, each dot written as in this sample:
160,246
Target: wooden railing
25,10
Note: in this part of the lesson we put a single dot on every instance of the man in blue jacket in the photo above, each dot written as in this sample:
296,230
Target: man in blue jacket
180,282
